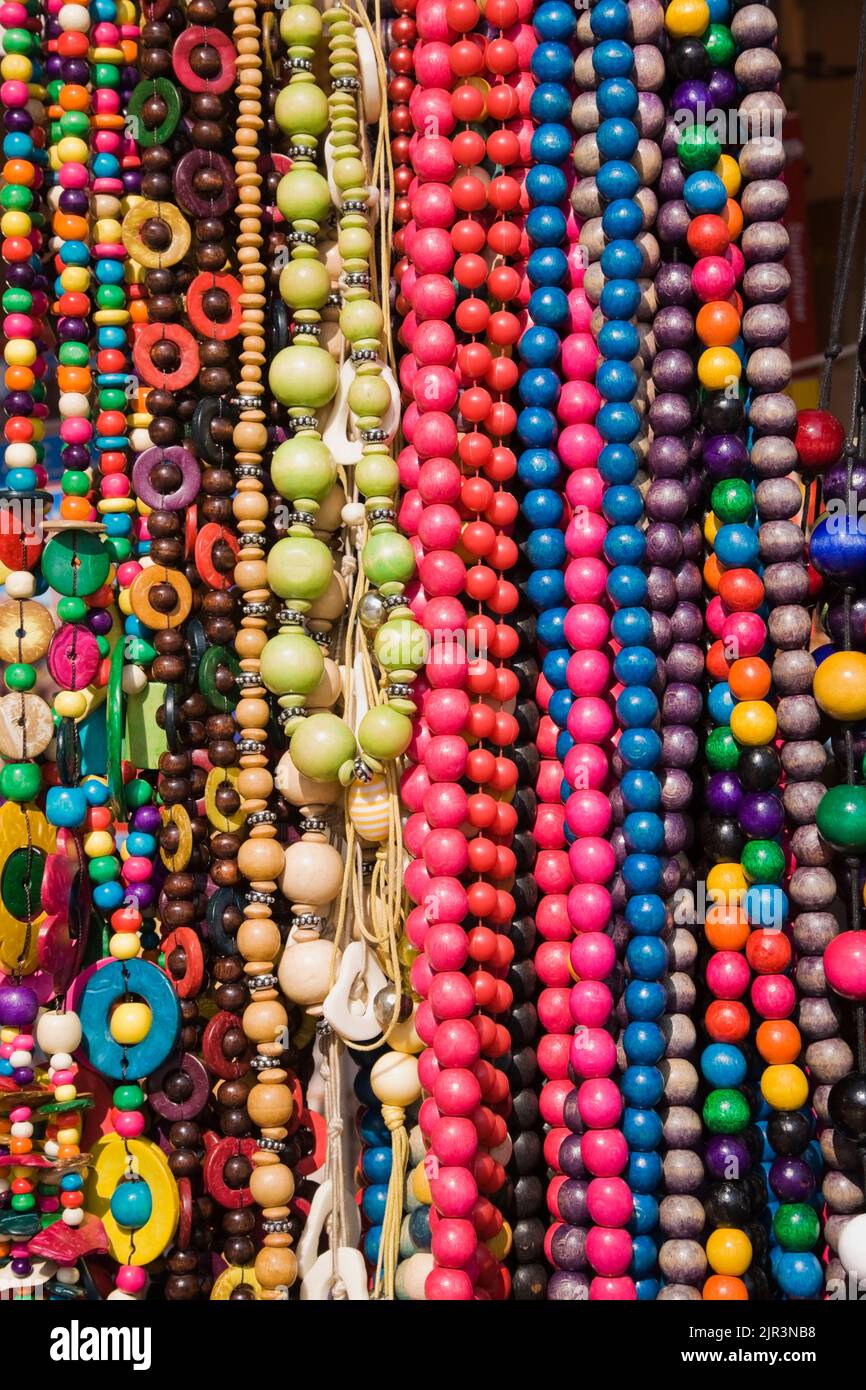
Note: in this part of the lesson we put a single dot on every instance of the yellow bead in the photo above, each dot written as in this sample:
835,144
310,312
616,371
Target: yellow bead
65,1092
753,722
130,1024
98,842
726,883
420,1185
711,526
16,68
840,685
124,945
729,1251
15,224
19,352
107,229
75,278
500,1244
785,1087
124,603
70,704
687,18
68,1136
728,171
719,367
72,150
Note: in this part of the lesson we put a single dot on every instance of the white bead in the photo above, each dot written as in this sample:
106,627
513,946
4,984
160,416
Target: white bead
852,1246
133,680
22,1129
51,1148
67,1274
20,584
58,1034
73,1216
121,1296
74,405
61,1061
20,1058
353,514
20,456
74,17
5,1184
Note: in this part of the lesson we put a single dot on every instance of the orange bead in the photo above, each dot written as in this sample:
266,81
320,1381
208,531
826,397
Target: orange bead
741,590
75,509
138,312
733,215
19,378
19,171
717,324
68,1151
20,1146
74,97
726,927
712,572
778,1041
725,1287
74,379
69,227
750,678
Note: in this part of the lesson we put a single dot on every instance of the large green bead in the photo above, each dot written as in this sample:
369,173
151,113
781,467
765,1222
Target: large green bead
763,861
303,467
722,750
300,24
305,284
726,1112
20,781
303,376
399,644
377,475
369,395
76,562
303,196
20,675
128,1097
301,109
361,318
388,558
796,1226
841,818
293,662
698,148
732,500
300,567
384,733
320,745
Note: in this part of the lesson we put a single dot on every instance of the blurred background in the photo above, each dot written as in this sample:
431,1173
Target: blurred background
818,48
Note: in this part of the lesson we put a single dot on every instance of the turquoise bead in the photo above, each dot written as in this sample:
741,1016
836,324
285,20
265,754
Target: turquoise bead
66,806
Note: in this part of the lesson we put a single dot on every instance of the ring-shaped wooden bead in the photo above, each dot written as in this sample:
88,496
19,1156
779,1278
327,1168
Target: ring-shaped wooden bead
195,1102
73,656
20,543
179,816
195,37
188,369
184,184
210,408
184,1224
216,778
210,328
182,496
213,1169
190,982
154,86
105,988
226,1282
205,541
214,657
19,943
139,591
217,905
135,219
226,1068
110,1160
